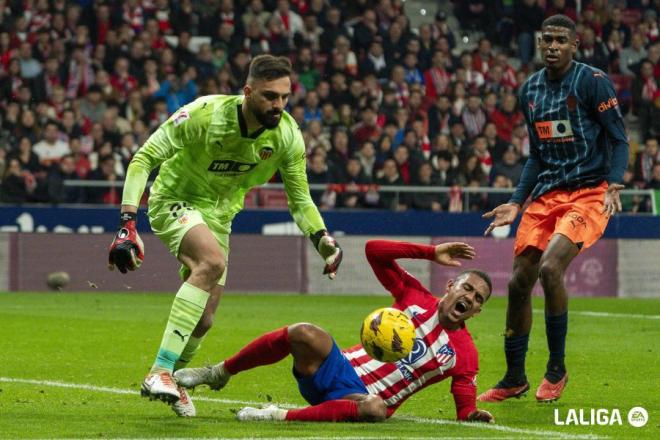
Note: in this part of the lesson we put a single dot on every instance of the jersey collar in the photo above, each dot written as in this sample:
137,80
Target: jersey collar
243,125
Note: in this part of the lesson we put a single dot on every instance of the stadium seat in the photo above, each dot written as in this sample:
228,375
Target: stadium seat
272,198
252,199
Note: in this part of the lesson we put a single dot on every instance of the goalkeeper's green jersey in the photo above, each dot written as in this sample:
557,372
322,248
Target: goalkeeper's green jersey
208,158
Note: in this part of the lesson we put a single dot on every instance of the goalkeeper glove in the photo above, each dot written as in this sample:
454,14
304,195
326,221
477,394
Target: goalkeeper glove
126,250
329,250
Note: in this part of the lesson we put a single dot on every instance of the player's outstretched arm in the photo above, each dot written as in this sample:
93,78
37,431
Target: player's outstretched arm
502,215
126,251
448,254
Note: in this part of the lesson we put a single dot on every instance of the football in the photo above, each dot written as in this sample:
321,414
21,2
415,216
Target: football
387,334
57,280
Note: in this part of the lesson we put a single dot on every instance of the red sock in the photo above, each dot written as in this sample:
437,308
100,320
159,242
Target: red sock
330,411
265,350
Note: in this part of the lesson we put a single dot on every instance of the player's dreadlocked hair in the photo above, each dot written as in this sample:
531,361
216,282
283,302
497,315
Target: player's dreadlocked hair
560,20
268,67
481,274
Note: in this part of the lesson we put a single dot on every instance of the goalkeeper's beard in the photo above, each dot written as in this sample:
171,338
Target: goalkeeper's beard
269,119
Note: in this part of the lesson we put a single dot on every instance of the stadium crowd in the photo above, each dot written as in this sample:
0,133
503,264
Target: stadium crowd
85,82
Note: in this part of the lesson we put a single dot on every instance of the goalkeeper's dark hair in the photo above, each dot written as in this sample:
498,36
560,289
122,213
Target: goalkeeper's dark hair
481,274
268,68
560,20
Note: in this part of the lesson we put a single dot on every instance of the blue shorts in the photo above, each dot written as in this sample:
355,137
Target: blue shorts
334,379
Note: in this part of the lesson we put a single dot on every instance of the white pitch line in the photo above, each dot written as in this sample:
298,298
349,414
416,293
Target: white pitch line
494,427
606,314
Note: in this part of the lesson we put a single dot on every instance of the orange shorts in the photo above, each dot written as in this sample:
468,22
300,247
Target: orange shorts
574,214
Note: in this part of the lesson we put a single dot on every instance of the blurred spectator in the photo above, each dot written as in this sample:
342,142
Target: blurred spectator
340,152
440,116
592,51
483,59
506,117
436,78
57,191
51,149
178,92
616,24
15,187
470,171
366,30
30,67
389,176
105,172
367,129
318,172
26,158
474,15
445,174
440,29
644,88
509,166
560,7
354,179
643,165
474,79
631,56
494,200
496,145
374,61
480,149
654,183
92,106
425,201
473,116
528,16
308,74
332,28
255,11
367,157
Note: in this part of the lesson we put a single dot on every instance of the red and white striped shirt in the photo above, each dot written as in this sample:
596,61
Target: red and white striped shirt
438,353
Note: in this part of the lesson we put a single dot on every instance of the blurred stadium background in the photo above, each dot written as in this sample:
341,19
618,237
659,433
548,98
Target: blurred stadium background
408,109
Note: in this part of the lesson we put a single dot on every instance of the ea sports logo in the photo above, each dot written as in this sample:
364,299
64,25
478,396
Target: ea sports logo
418,352
638,417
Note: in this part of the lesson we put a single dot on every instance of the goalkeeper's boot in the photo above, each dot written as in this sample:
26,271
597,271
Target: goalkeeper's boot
160,386
549,392
502,392
184,407
216,376
268,412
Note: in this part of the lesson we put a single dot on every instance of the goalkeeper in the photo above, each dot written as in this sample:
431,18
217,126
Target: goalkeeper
211,153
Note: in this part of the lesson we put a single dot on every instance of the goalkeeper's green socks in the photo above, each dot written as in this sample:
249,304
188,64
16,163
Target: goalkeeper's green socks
189,352
186,311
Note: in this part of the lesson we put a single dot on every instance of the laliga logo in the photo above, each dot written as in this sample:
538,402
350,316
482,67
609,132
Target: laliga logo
637,417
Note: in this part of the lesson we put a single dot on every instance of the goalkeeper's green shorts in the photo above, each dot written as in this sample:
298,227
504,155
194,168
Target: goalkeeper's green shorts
171,220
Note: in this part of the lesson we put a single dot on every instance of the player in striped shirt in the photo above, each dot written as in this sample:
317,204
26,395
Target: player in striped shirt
351,386
578,154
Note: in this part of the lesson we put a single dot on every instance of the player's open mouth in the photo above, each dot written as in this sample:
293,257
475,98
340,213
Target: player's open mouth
462,306
552,58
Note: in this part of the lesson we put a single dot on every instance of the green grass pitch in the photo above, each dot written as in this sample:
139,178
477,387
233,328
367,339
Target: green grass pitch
71,365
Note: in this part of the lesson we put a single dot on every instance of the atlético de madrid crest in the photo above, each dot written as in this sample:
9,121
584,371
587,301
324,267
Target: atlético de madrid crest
265,153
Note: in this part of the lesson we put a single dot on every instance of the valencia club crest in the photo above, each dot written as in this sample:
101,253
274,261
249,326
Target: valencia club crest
265,153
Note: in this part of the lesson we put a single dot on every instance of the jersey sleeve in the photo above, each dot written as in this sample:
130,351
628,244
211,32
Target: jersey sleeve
186,127
293,172
603,103
382,256
530,173
464,381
